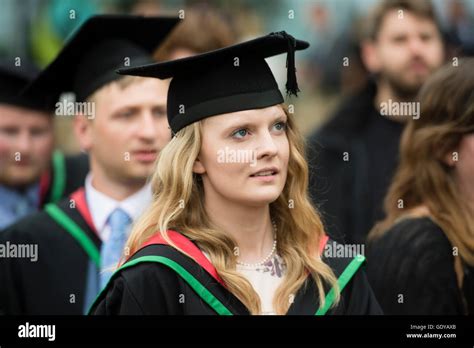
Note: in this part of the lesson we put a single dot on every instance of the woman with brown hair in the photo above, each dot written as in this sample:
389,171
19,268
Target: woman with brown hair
231,229
422,254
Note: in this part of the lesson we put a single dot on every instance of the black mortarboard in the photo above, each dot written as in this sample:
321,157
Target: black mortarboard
230,79
103,44
15,74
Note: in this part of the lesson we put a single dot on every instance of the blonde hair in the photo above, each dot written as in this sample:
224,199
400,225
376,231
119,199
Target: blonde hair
299,229
423,177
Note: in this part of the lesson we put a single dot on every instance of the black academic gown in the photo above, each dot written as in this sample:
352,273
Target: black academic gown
66,175
352,159
151,288
412,271
55,283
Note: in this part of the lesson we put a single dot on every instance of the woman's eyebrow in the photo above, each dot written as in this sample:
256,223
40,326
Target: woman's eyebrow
238,125
246,124
281,117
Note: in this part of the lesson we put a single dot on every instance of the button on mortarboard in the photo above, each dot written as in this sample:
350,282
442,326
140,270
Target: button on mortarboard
230,79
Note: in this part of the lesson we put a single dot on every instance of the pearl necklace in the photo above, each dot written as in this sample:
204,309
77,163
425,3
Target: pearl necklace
258,264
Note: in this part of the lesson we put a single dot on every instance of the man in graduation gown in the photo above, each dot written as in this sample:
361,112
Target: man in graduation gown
31,174
56,261
159,279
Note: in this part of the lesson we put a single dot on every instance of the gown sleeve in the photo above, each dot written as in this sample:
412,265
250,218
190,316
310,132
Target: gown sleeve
358,297
10,276
118,300
144,289
411,269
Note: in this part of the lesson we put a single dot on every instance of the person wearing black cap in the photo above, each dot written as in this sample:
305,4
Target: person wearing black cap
80,238
31,174
231,229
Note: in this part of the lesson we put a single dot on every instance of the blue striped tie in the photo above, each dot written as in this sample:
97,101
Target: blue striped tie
111,250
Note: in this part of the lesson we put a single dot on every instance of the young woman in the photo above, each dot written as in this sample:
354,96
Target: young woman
422,254
231,229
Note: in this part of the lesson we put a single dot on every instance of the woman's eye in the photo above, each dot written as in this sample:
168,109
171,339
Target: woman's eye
240,133
280,126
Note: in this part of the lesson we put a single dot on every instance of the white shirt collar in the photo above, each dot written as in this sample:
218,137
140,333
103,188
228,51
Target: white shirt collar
101,205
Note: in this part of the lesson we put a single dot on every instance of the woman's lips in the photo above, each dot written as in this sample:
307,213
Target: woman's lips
265,178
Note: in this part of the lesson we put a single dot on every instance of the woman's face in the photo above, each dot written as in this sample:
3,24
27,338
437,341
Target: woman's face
244,156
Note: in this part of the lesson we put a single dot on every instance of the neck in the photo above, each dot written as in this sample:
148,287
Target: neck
250,227
386,93
21,189
111,187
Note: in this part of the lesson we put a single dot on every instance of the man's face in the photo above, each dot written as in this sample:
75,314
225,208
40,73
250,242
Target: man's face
129,129
406,51
26,144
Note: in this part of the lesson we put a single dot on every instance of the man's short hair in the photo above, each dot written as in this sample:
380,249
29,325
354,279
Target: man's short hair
419,8
122,83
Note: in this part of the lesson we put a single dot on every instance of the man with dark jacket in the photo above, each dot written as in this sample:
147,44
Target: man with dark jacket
353,156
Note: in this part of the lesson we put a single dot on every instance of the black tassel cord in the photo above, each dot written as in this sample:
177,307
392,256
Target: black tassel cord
291,81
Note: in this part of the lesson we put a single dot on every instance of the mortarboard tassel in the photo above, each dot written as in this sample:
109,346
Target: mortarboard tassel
291,82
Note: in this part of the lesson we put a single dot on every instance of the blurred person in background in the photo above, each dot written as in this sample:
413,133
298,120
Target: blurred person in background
460,27
423,251
353,156
31,174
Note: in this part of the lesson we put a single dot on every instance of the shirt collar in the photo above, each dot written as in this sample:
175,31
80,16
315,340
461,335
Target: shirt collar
101,205
15,204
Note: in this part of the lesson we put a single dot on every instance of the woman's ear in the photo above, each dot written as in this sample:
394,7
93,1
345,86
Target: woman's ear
198,167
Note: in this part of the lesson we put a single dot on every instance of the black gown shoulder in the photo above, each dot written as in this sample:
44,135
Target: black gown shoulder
53,282
411,270
68,173
145,289
152,288
77,167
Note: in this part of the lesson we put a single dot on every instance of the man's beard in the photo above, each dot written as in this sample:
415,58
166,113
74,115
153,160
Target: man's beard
401,89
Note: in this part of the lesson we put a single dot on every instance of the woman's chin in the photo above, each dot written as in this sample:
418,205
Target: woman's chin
262,199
